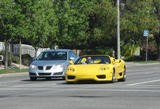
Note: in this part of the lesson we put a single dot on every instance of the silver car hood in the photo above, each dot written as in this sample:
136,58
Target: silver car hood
49,62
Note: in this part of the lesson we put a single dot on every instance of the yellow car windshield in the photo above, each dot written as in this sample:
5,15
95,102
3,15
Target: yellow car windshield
93,60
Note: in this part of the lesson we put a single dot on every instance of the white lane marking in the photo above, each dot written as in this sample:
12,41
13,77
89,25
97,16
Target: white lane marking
145,82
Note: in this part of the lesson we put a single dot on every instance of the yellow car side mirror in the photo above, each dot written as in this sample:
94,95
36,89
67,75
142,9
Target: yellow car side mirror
71,62
118,61
112,60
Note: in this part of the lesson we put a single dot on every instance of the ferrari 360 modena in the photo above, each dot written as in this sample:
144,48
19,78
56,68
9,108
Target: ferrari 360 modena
97,68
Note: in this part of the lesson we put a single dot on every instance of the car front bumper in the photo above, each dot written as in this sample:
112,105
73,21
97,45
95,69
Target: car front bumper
46,74
96,77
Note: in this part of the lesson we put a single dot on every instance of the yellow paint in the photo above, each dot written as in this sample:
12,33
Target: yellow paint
91,71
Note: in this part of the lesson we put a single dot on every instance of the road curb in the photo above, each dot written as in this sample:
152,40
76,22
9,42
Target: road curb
139,64
13,74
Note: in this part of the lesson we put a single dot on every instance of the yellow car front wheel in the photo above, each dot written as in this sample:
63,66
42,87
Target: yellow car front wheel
124,75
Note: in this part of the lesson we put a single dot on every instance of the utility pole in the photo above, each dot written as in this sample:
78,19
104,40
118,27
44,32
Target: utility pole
118,31
146,34
20,53
146,48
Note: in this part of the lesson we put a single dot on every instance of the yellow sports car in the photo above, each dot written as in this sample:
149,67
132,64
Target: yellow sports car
96,67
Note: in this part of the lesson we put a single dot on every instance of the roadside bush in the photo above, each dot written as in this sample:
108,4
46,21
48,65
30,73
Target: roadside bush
134,58
15,59
10,55
152,55
26,59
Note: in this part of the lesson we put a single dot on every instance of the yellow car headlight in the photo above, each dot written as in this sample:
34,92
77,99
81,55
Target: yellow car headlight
104,68
71,69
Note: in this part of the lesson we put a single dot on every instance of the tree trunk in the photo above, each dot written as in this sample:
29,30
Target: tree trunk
158,50
36,49
6,54
20,53
157,39
10,53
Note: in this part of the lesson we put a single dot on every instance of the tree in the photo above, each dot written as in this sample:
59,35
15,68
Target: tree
7,18
73,22
156,17
34,21
138,16
135,20
102,25
42,22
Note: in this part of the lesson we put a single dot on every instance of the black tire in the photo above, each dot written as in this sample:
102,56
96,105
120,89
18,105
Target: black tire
113,76
33,78
63,78
124,76
70,82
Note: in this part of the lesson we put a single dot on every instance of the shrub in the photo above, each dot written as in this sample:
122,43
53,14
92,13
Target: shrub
26,59
10,55
152,55
15,59
134,58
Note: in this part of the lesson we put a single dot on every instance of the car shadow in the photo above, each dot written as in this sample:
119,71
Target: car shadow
86,82
43,79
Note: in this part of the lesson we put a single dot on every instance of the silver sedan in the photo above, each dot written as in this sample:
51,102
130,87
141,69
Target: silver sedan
51,64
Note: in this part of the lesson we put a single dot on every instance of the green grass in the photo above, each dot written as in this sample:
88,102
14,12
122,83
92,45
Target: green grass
5,71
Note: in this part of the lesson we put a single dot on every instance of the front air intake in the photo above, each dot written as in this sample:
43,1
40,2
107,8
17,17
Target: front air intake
71,77
101,76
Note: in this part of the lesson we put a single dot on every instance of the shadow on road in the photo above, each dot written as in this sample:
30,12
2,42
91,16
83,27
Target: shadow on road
42,79
85,82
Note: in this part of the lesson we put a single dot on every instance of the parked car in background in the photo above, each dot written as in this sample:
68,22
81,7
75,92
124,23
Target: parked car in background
51,63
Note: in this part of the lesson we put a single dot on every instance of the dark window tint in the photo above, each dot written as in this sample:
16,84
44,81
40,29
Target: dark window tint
53,55
93,60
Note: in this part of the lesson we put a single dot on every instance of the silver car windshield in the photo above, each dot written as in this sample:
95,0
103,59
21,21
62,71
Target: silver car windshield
52,55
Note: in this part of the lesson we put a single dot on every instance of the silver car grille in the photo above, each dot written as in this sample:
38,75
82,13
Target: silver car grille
44,74
58,73
40,67
46,68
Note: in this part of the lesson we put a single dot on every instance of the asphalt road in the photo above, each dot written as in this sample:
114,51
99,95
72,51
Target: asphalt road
140,91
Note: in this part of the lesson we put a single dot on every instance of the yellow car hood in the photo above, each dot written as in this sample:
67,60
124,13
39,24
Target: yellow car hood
89,67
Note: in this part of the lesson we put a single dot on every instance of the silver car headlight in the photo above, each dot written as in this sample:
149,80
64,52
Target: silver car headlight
32,66
60,66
